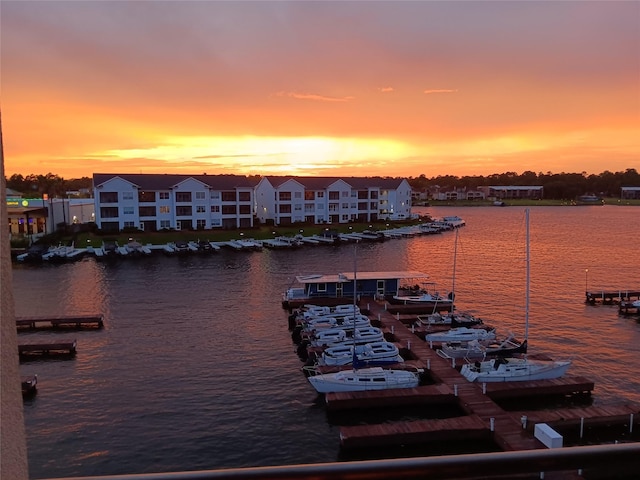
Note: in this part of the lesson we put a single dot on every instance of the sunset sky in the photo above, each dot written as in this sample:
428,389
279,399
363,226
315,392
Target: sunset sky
325,88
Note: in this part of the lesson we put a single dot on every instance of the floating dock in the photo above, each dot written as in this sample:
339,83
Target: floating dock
72,321
48,349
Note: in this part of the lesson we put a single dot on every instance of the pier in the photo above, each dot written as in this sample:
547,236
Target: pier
473,410
628,308
66,348
71,321
611,297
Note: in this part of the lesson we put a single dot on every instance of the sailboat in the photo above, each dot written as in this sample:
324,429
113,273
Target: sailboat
362,379
502,369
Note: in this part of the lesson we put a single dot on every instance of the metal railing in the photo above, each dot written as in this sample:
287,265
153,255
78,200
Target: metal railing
613,460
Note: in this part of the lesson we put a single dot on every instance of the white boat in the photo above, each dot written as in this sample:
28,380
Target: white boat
453,319
461,334
480,350
357,380
343,322
501,369
134,248
368,354
312,311
332,336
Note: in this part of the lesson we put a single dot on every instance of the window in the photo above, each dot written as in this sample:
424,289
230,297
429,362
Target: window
127,210
201,224
297,207
200,195
147,211
333,207
201,209
109,212
345,194
297,195
183,196
108,197
284,196
309,195
183,211
164,209
127,195
345,205
129,224
244,209
228,209
284,208
229,196
309,207
320,195
165,223
373,206
215,208
363,195
163,195
146,197
244,196
334,195
322,287
215,195
216,222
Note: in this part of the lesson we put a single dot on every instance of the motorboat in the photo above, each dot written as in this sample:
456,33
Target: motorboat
343,322
424,294
357,380
502,369
453,319
136,249
323,310
368,354
461,334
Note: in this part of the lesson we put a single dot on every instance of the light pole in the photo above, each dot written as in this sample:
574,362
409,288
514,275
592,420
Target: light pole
586,280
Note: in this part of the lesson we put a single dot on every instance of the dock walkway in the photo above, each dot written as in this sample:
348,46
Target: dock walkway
611,297
482,416
71,321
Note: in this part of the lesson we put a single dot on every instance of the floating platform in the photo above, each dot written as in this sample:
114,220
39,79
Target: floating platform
46,349
611,297
628,308
71,321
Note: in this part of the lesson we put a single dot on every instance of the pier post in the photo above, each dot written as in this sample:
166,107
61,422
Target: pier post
428,364
631,423
484,388
408,344
393,330
492,424
523,420
455,389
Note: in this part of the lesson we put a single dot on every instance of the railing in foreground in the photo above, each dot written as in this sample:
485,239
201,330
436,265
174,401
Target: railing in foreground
616,460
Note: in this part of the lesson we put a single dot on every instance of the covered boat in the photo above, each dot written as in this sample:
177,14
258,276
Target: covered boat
357,380
502,369
368,354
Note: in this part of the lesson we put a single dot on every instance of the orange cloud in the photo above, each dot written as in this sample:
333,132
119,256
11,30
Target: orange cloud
311,96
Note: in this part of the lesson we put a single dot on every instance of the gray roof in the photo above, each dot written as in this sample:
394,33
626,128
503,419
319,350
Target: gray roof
321,183
153,181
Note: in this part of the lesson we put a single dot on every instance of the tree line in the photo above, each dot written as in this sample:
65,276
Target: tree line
556,185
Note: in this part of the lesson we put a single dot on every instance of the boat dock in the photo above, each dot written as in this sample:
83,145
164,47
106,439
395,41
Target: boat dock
65,348
611,297
628,308
480,414
72,321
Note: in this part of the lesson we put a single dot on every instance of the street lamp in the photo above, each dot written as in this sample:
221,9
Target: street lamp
586,280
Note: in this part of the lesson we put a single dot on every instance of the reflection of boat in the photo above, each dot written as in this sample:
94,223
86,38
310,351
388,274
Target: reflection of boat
372,378
502,369
369,354
461,334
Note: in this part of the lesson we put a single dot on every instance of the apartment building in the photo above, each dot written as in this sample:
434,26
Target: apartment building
317,200
152,202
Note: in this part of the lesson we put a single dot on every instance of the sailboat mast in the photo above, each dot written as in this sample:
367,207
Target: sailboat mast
453,281
528,274
355,295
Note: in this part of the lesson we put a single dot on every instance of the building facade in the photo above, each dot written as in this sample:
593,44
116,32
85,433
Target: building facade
152,202
318,200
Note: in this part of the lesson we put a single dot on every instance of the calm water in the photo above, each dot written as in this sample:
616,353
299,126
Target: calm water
195,368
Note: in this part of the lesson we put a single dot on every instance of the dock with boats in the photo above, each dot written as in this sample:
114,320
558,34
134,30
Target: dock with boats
478,411
611,297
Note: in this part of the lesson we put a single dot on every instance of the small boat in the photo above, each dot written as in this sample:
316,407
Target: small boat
136,249
424,294
372,378
453,319
313,311
501,369
343,322
368,354
461,334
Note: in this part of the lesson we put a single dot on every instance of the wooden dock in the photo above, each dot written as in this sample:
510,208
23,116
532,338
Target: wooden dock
481,415
611,297
46,349
628,308
71,321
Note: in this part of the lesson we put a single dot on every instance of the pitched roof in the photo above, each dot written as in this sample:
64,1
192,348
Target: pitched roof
165,181
321,183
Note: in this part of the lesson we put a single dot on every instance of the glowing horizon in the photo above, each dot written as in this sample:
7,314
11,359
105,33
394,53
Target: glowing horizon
261,89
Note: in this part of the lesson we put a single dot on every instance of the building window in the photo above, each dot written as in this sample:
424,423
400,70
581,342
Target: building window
345,194
200,195
228,209
215,208
183,196
333,207
284,208
309,195
322,287
345,205
215,195
108,197
334,195
127,210
129,224
109,212
165,223
201,224
297,195
163,195
244,209
320,194
146,197
201,209
164,209
228,196
127,195
183,211
244,196
284,196
216,222
147,211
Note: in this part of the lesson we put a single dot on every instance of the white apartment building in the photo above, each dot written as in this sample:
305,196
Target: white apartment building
152,202
287,200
